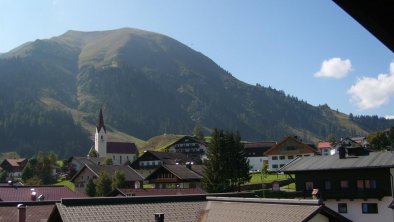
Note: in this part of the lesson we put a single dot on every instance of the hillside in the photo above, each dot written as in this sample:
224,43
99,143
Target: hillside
148,84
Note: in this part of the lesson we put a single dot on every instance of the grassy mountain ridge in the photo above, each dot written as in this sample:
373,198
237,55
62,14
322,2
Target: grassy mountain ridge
150,84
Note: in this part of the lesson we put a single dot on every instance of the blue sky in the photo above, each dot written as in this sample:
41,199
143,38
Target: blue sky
310,49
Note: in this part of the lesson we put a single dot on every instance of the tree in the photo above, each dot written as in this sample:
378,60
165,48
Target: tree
378,140
3,176
103,184
92,153
391,136
198,132
91,189
227,166
118,180
28,171
108,161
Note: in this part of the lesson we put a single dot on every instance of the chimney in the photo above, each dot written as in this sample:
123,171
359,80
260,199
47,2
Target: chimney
159,217
33,194
315,194
342,152
21,212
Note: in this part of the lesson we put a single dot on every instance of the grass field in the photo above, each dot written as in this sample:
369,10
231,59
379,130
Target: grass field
256,177
67,183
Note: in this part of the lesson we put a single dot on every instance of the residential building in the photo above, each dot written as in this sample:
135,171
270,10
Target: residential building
190,146
92,172
76,163
255,153
31,212
120,152
326,148
175,176
285,151
14,167
358,187
193,208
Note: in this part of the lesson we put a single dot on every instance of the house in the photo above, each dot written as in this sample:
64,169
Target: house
190,146
16,193
285,151
358,187
255,153
76,163
175,176
92,172
191,208
326,148
14,167
120,152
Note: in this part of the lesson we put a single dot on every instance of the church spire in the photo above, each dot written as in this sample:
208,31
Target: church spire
100,122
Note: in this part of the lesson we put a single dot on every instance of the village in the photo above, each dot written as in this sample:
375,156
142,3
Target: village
345,180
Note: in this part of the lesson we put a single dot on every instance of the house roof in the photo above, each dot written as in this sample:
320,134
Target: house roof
199,169
157,192
316,163
89,160
15,162
305,148
166,157
323,144
180,171
100,122
34,213
376,16
257,148
192,208
130,174
23,193
121,147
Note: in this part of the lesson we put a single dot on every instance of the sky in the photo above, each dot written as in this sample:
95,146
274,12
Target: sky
312,50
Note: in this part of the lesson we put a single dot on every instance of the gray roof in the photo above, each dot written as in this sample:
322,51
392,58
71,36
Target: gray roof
130,174
315,163
182,172
192,208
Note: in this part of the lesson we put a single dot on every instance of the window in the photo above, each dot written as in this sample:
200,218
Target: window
369,208
274,157
342,208
120,159
307,155
327,185
308,186
282,157
113,157
366,184
344,184
261,160
282,165
275,166
290,157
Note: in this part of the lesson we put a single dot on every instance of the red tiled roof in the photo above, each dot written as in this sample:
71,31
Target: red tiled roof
154,192
121,147
323,144
23,193
33,213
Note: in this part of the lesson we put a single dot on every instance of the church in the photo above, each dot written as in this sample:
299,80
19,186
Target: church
120,152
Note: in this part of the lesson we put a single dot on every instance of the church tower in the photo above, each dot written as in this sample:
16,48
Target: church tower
100,139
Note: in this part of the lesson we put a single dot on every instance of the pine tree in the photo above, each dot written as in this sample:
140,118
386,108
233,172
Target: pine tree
103,184
118,180
198,132
91,189
227,167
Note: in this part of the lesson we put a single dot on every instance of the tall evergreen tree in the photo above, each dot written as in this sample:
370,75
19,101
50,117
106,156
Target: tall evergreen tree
91,189
198,132
227,166
103,184
118,180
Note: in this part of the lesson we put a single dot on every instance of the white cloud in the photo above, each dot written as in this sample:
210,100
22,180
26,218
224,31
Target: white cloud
334,68
370,92
389,117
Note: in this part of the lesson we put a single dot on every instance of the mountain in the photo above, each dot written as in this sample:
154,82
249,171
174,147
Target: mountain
148,84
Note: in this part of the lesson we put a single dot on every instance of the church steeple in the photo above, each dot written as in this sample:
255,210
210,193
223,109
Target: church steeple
100,122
